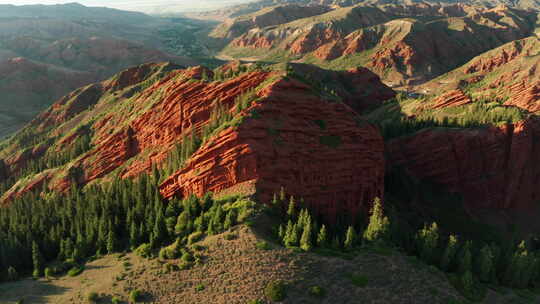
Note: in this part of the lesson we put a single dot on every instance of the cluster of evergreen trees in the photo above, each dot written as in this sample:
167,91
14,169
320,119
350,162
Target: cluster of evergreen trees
54,159
469,263
220,75
35,230
480,113
302,229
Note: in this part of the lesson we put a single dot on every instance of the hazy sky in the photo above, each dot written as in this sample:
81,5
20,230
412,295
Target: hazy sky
151,6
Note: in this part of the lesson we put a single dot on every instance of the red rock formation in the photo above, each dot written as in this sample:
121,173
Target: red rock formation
284,146
509,73
452,99
393,40
266,17
494,168
525,96
297,135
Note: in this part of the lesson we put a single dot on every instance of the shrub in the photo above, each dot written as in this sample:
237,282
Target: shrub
185,265
134,296
275,291
116,300
75,271
187,257
263,245
48,272
199,287
163,253
197,247
229,236
317,291
145,250
195,237
92,297
255,302
359,280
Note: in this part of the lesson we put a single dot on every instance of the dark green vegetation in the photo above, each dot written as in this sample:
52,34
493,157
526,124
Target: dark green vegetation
403,116
276,291
125,214
472,264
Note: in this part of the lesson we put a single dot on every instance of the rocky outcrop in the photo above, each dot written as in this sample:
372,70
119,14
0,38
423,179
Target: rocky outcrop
391,40
493,168
266,17
510,74
302,132
451,99
316,150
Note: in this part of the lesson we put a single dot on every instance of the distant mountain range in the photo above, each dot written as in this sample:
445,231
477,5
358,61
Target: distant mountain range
47,51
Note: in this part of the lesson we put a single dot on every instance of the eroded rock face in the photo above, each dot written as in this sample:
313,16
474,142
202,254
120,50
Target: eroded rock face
314,149
452,99
267,17
493,168
297,134
392,40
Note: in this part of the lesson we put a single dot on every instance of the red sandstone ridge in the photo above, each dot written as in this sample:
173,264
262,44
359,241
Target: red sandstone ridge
266,17
493,168
394,41
510,73
304,135
313,148
452,99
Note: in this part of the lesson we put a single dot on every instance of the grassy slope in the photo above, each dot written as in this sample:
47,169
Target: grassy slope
236,271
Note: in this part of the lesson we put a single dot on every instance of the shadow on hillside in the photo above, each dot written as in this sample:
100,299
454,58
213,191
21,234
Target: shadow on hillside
416,195
30,291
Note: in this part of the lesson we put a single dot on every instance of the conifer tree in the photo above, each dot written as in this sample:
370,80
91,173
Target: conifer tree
467,282
306,240
449,253
37,260
291,235
485,264
182,222
428,238
111,241
281,231
133,235
229,219
336,242
465,258
379,225
159,233
282,196
275,202
68,248
350,238
322,237
291,211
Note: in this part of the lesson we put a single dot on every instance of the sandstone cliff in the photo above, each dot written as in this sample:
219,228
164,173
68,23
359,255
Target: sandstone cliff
403,44
286,127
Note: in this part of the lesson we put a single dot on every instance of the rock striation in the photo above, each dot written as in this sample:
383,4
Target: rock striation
299,129
493,168
395,41
316,150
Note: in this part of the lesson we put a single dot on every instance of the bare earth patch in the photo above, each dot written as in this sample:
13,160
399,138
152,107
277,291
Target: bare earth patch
234,270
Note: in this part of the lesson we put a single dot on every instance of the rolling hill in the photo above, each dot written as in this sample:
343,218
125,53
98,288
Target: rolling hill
64,47
403,44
